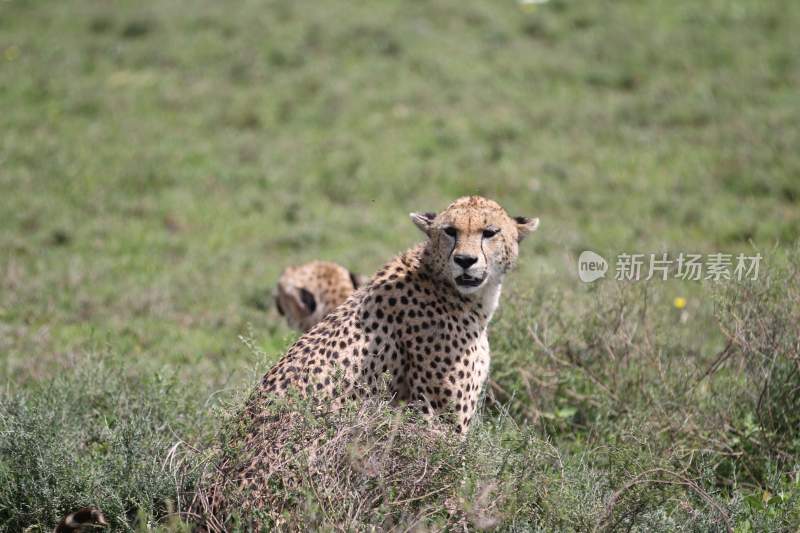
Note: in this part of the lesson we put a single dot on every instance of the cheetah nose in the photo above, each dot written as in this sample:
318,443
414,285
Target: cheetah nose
465,261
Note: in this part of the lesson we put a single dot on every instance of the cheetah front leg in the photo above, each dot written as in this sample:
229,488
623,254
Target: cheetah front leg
465,385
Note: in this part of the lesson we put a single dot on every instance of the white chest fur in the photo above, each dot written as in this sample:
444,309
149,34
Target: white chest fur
491,298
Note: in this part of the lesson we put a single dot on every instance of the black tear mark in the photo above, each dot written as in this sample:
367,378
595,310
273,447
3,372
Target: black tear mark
453,248
483,253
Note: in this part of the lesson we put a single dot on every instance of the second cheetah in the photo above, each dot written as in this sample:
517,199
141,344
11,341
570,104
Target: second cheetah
307,293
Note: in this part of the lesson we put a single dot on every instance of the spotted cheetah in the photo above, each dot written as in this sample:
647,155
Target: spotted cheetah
307,293
418,326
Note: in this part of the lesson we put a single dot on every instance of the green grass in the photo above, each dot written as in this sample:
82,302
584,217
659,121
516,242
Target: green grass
161,163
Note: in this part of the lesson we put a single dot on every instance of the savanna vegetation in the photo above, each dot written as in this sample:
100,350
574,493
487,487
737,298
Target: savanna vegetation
162,162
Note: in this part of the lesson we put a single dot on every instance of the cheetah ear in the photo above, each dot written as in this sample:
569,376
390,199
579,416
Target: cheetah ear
308,300
423,221
525,226
357,279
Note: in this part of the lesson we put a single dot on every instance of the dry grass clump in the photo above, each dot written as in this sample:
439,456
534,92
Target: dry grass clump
716,417
761,325
367,465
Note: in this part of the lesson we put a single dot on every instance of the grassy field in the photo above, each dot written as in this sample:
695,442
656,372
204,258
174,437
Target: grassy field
161,163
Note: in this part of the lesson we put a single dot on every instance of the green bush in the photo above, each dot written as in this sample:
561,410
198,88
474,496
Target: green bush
93,436
613,422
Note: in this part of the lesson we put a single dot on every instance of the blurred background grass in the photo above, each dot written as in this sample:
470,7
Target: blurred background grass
161,163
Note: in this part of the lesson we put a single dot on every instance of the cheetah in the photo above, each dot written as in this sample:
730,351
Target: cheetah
307,293
417,330
84,519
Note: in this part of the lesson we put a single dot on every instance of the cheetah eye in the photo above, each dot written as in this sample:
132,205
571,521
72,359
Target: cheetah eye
450,231
488,233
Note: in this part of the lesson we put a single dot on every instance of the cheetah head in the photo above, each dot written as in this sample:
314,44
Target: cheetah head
473,242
